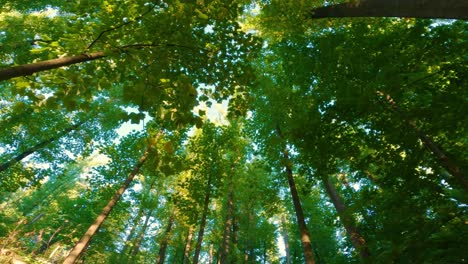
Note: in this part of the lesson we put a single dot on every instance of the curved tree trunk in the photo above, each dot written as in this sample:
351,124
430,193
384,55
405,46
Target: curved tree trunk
31,68
201,231
356,238
446,9
84,241
37,147
436,150
305,237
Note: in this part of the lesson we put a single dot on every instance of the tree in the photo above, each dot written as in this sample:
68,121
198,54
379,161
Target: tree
84,241
394,8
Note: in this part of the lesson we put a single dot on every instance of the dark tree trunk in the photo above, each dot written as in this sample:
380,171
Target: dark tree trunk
446,9
162,249
225,245
305,237
84,241
29,69
356,238
436,150
201,231
37,147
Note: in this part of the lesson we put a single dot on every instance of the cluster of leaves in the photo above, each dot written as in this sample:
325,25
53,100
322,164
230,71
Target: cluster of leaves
365,115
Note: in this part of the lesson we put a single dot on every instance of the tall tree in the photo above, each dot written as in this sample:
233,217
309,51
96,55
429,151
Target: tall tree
84,241
305,237
449,9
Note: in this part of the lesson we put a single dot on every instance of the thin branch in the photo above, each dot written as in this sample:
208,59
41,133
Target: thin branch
118,26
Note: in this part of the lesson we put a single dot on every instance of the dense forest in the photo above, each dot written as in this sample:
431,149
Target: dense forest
215,131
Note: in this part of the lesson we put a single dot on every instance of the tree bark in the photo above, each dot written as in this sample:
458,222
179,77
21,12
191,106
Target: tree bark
356,238
225,245
305,237
445,9
284,233
436,150
210,259
84,241
31,68
37,147
131,235
201,231
136,246
188,243
162,249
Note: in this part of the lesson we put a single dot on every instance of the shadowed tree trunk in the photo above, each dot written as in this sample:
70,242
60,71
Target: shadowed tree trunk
84,241
37,147
436,150
29,69
447,9
356,238
305,237
201,231
162,249
225,246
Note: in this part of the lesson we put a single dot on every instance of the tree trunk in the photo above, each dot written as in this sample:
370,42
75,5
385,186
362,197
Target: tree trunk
37,147
356,238
210,259
162,249
131,235
235,230
305,237
29,69
446,9
84,241
136,246
188,243
284,232
436,150
201,231
225,245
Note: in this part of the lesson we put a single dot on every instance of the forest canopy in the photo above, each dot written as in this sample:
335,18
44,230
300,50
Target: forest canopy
212,131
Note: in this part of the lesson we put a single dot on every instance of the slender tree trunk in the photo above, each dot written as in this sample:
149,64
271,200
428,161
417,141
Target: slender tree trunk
436,150
225,245
284,232
249,250
356,238
37,147
84,241
201,231
235,230
210,258
29,69
136,246
446,9
131,235
188,243
162,249
46,244
305,237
